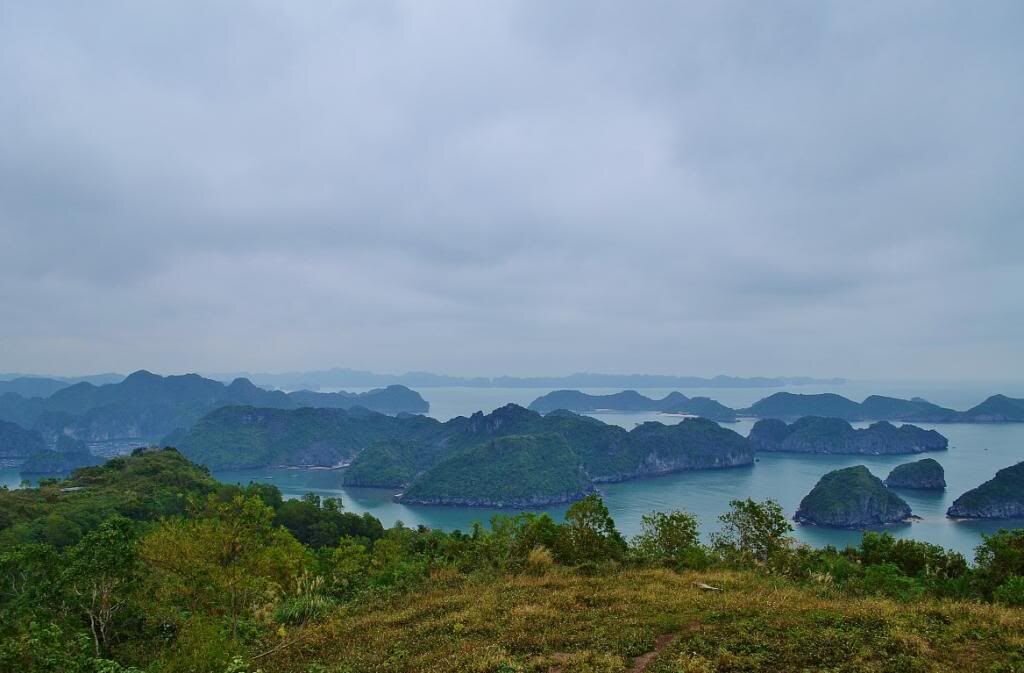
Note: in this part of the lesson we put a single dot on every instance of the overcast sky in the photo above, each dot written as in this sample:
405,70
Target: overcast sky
752,188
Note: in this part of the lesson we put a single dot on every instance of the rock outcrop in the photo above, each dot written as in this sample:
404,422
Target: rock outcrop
926,473
851,498
1001,497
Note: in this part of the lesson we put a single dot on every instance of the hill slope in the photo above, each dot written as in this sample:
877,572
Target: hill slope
511,471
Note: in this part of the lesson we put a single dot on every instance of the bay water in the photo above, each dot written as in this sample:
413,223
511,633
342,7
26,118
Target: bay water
976,452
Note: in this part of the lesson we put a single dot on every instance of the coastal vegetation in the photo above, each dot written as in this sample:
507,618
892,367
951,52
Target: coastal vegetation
169,571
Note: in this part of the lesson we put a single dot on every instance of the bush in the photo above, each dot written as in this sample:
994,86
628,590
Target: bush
999,558
589,534
886,579
913,558
669,539
539,561
753,532
1011,592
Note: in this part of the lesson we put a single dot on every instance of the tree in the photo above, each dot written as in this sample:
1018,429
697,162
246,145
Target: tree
671,538
98,576
999,558
589,533
229,559
753,531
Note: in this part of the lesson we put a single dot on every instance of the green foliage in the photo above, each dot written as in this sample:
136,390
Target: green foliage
321,524
1011,592
225,583
670,539
589,534
144,487
512,470
98,576
753,532
227,558
385,464
911,557
999,558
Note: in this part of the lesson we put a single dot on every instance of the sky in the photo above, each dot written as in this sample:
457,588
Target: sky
525,188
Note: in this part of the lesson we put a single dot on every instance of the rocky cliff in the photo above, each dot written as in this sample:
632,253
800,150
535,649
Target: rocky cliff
1001,497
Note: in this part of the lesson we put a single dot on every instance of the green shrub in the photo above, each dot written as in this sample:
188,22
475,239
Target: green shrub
670,539
1011,592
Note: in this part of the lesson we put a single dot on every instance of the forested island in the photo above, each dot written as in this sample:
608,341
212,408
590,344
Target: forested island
1001,497
147,563
788,406
791,406
851,498
924,474
394,451
814,434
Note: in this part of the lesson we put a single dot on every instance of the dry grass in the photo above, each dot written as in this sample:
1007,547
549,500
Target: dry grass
576,624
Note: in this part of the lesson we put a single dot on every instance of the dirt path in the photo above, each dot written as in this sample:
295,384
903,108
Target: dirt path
641,663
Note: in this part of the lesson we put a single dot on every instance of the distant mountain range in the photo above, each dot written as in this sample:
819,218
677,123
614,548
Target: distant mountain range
630,400
44,386
789,406
145,407
354,378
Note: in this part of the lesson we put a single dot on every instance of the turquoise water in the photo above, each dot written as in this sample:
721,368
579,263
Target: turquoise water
976,452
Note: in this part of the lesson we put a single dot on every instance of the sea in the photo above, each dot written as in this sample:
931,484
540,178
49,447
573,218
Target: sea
976,452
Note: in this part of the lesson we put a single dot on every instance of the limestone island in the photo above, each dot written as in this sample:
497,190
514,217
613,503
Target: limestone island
925,474
851,498
1001,497
814,434
518,471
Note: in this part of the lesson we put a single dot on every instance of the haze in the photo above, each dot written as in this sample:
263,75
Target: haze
798,188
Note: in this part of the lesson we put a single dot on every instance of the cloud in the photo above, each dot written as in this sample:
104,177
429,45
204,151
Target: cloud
525,188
